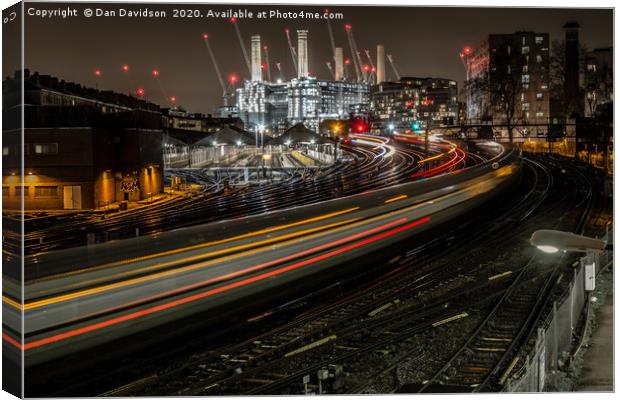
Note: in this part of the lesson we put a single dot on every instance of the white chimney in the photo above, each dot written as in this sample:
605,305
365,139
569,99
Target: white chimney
302,53
380,64
257,71
339,64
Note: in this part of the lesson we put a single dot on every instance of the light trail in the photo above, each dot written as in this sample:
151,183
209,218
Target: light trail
212,243
199,296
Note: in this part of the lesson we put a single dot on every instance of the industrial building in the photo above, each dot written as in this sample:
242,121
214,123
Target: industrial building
276,106
82,148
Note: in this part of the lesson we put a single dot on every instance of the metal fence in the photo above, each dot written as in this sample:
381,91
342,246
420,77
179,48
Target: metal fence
554,344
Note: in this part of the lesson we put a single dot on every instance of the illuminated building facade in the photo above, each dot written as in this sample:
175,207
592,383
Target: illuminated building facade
427,102
522,57
277,106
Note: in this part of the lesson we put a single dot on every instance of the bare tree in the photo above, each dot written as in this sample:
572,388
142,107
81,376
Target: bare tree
503,86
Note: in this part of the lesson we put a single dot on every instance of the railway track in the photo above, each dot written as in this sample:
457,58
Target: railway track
486,358
317,322
369,172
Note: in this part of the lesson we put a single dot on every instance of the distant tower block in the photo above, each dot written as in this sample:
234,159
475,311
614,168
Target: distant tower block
339,64
257,71
380,64
302,53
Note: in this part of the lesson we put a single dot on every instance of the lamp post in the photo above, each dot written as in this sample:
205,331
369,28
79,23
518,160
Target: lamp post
551,241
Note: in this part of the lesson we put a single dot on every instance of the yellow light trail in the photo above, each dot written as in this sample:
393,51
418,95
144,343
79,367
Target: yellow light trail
393,199
116,285
208,244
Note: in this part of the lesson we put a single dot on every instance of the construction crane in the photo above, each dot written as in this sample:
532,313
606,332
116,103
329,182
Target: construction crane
373,69
291,48
242,44
279,67
393,64
357,61
267,65
331,70
225,91
331,36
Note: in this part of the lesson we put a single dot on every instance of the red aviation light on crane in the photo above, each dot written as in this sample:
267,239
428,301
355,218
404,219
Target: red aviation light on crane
125,67
140,92
173,99
155,73
97,72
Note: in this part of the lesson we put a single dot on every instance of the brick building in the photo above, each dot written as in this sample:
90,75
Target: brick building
82,148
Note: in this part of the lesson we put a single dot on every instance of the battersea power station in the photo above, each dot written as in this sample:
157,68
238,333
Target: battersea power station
275,106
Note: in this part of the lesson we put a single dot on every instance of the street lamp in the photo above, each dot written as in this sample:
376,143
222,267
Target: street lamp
551,241
265,158
260,130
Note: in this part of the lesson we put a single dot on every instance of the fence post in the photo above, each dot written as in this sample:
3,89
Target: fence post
554,359
571,288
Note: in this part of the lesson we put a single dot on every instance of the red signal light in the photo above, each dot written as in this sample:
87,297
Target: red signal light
233,19
366,67
140,92
467,50
155,73
173,98
348,27
98,72
263,66
125,67
205,36
347,61
233,78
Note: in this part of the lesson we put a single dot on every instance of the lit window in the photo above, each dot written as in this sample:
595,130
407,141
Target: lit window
5,150
525,78
46,148
46,191
539,96
21,191
538,58
525,49
539,39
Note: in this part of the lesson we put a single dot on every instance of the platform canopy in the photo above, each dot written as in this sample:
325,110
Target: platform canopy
227,136
299,133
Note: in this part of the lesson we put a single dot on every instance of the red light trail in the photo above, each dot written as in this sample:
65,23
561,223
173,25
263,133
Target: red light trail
244,282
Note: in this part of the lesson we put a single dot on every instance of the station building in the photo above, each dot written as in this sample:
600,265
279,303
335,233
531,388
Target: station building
82,148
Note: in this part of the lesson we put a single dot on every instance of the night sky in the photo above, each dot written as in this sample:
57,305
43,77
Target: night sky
424,41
